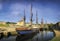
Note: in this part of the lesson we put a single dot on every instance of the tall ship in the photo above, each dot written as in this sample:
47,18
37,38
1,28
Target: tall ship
25,32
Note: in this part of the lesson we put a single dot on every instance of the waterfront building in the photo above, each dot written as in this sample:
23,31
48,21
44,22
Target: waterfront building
20,23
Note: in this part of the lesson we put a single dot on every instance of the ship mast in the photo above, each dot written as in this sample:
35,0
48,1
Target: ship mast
42,24
31,15
36,18
24,17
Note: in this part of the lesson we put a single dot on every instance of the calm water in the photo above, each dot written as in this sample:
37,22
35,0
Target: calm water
41,36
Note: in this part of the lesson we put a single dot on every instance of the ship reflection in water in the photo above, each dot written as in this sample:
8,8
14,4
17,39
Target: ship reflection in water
41,36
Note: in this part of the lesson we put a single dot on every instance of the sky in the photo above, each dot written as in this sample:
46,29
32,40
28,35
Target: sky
13,10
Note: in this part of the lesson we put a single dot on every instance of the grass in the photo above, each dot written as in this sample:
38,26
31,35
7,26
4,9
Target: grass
4,25
57,37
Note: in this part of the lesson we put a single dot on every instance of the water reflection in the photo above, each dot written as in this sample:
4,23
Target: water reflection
43,36
11,38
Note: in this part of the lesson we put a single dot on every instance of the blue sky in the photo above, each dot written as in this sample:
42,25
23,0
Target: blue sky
13,10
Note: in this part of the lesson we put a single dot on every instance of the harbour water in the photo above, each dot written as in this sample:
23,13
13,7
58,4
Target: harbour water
41,36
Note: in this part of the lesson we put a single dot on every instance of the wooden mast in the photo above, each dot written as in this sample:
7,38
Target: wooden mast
36,18
24,17
31,15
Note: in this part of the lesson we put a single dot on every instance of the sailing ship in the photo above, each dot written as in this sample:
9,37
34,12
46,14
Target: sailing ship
24,29
25,32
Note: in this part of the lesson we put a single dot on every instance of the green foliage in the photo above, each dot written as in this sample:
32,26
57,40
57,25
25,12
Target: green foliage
4,25
50,24
10,23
